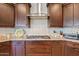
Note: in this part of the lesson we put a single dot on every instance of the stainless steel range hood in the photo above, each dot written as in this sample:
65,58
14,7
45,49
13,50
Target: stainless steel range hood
41,10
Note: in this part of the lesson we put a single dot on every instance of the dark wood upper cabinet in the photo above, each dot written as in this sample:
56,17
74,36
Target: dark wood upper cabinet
76,14
55,15
68,15
21,14
7,15
12,15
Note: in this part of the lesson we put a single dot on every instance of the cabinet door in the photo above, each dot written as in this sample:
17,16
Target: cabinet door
75,51
68,15
76,14
18,48
57,51
68,51
21,13
5,49
57,48
38,48
6,15
38,51
71,51
18,51
55,15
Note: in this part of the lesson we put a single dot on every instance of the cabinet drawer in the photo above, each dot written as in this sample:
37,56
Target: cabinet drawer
8,43
69,44
38,42
38,46
14,43
4,48
76,45
38,51
72,44
57,43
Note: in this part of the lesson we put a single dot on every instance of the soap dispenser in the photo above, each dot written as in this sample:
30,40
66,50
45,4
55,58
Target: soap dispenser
54,31
61,33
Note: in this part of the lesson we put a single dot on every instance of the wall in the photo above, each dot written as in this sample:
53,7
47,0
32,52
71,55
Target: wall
40,31
39,25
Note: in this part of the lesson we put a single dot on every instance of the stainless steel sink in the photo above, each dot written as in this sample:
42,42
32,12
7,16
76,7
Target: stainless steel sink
38,37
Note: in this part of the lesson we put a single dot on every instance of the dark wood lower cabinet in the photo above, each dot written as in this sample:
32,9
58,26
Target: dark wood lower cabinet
75,51
5,48
4,51
68,51
57,48
71,49
18,51
57,51
38,51
18,48
39,48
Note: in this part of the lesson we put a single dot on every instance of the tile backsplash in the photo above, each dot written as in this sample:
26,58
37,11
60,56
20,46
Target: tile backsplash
40,31
6,30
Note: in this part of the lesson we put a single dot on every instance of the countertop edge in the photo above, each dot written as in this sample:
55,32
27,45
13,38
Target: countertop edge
54,39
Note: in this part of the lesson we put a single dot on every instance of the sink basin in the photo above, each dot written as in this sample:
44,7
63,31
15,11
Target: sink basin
38,37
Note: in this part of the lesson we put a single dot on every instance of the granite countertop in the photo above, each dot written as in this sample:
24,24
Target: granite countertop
15,39
42,39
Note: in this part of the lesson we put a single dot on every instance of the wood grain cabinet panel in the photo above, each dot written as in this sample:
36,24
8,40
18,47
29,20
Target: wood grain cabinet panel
57,51
75,51
68,51
21,14
38,51
76,14
38,48
18,48
7,15
57,48
55,15
68,15
71,49
5,48
4,51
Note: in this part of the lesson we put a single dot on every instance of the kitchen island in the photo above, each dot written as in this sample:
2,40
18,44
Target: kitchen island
39,47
